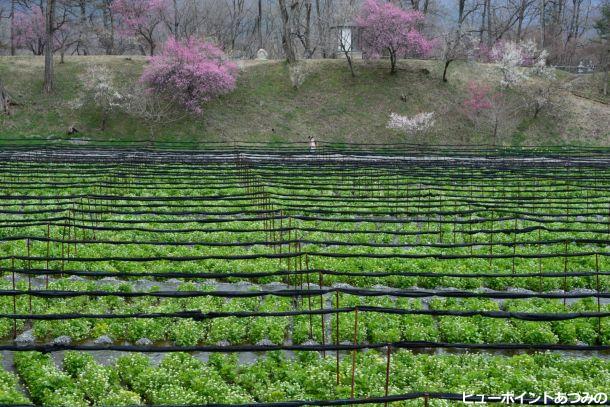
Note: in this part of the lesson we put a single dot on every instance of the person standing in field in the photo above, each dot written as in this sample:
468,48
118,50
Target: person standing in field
312,144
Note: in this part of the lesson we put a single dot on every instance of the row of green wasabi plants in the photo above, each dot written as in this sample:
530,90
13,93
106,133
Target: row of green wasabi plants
182,379
10,392
178,259
374,327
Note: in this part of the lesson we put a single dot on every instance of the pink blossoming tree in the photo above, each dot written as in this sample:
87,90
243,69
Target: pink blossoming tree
190,72
490,111
388,28
140,19
30,30
479,99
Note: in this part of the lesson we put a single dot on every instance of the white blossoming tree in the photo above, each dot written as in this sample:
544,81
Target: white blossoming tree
414,126
100,92
523,64
512,58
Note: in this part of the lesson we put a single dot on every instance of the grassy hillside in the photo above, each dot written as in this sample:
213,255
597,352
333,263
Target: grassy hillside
330,105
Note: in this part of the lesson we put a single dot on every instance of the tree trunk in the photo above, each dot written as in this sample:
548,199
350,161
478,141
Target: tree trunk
176,23
350,64
606,68
3,99
483,15
83,22
392,62
520,17
322,30
48,49
489,40
542,23
447,62
111,15
307,32
104,120
259,24
348,55
461,6
287,43
13,42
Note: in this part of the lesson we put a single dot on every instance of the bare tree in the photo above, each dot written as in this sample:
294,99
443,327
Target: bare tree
4,99
345,45
602,26
302,27
287,42
12,23
344,15
454,46
48,50
259,24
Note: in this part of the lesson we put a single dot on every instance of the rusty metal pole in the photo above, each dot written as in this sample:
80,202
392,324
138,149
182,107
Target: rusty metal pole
337,331
354,352
48,254
320,280
309,298
599,319
491,241
565,271
14,299
540,257
387,373
28,248
514,244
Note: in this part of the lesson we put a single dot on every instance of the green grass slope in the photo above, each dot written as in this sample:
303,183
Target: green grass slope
330,105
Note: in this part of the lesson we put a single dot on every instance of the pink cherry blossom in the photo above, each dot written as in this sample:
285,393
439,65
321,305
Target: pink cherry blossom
30,30
140,18
191,72
480,98
389,29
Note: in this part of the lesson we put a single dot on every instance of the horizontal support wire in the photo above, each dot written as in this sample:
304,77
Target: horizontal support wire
47,348
291,255
305,293
281,273
379,399
306,242
202,316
